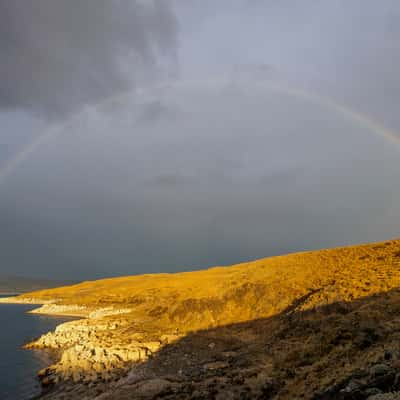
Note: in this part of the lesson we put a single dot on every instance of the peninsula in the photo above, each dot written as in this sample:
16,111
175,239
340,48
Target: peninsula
314,325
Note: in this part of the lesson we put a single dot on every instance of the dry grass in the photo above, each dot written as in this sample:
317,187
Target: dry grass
297,326
257,289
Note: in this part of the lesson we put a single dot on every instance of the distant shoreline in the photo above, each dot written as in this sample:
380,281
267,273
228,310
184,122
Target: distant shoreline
43,357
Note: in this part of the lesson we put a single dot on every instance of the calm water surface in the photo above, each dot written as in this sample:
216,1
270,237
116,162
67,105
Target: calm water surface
18,367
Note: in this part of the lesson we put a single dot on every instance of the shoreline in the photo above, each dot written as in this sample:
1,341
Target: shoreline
49,356
300,326
52,309
15,299
49,307
53,354
87,350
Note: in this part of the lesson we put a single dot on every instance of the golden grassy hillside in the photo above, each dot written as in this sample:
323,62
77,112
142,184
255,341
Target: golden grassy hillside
321,325
261,288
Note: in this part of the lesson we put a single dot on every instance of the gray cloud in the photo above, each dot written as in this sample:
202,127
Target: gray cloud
169,180
237,175
213,168
58,55
346,49
153,111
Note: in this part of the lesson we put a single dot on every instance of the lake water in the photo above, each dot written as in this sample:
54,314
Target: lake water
18,367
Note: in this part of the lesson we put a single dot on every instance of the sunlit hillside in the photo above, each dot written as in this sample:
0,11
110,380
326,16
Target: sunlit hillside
242,292
319,325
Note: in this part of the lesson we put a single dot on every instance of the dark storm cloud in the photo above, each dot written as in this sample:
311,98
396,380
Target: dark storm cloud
57,55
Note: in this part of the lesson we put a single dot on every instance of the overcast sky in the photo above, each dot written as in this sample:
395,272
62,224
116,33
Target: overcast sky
192,133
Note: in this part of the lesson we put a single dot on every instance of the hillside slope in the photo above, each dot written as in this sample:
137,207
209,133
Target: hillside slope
16,284
294,326
261,288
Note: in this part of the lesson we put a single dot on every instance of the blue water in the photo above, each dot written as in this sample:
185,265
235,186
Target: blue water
18,367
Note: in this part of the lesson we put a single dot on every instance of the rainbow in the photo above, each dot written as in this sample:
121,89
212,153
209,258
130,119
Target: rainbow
325,102
347,112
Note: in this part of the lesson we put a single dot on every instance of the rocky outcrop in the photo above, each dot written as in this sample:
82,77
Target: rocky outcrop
25,300
94,348
108,311
52,308
378,381
61,309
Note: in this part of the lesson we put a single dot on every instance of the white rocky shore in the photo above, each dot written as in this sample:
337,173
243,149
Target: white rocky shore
93,349
25,300
90,351
60,309
74,310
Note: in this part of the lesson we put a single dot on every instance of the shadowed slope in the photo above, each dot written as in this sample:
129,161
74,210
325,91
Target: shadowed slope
339,351
342,351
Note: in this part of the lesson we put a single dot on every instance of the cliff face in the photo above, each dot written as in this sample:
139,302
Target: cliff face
295,326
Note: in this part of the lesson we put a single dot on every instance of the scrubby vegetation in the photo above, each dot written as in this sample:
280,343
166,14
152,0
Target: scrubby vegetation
316,325
261,288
